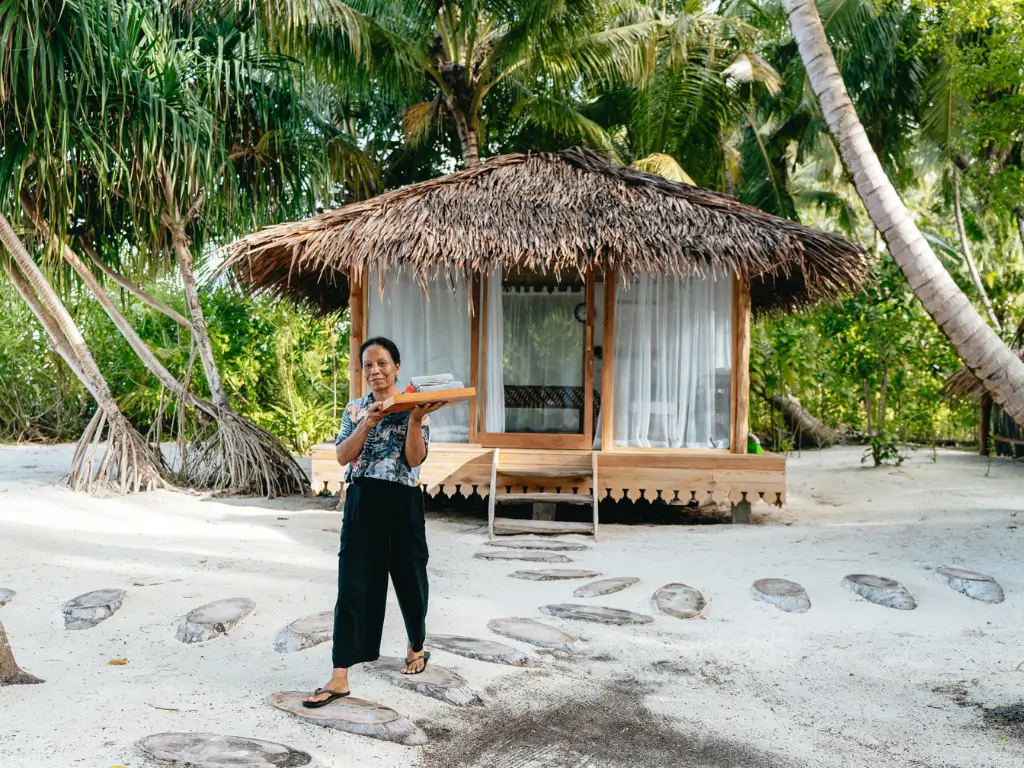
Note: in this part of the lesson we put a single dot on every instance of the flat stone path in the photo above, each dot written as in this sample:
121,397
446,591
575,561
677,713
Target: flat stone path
976,586
6,595
480,650
212,750
434,681
595,613
553,574
535,633
305,633
680,601
880,591
538,544
90,609
605,586
358,716
530,557
783,594
214,619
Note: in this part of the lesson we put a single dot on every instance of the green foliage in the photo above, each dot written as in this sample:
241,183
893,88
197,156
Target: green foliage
283,368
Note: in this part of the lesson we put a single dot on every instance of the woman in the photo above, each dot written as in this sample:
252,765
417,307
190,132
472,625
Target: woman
383,531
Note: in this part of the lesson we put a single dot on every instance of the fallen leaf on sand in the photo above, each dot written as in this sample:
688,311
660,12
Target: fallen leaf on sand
162,709
117,662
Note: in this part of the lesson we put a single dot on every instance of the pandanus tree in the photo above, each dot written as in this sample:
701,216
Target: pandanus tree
459,52
10,672
977,344
178,130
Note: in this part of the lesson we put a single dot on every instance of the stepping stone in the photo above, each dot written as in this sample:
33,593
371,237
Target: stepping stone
881,591
548,546
481,650
211,750
532,557
214,619
976,586
305,633
358,716
783,594
90,609
598,613
436,682
535,633
553,574
679,600
6,595
605,586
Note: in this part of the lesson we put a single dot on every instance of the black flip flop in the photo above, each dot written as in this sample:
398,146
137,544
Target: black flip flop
317,704
425,657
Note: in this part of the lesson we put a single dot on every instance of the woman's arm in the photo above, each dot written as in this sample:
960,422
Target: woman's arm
415,436
354,437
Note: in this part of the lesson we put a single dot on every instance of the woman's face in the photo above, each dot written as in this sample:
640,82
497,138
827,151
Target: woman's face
379,369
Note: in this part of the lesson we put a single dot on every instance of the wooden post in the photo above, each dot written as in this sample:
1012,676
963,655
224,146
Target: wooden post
474,356
740,400
357,331
588,363
608,371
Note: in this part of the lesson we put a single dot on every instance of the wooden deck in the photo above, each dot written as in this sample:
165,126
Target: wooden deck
632,474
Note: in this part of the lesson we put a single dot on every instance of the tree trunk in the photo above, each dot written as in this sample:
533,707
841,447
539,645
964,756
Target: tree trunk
869,408
977,344
985,425
468,138
799,419
966,248
135,290
128,463
10,672
1019,213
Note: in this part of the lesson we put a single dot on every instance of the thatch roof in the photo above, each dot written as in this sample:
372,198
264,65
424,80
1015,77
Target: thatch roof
560,213
963,384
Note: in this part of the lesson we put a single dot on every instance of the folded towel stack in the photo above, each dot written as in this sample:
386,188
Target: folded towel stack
435,383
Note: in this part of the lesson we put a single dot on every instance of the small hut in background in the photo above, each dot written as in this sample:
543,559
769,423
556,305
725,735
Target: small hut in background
602,313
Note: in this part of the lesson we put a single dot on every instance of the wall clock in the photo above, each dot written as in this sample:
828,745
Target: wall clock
581,312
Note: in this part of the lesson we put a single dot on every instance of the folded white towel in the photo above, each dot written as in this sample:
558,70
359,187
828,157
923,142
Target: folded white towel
429,381
439,387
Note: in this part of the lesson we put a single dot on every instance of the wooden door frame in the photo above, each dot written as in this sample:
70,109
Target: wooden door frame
581,442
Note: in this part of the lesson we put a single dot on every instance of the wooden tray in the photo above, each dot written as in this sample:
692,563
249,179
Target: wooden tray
404,403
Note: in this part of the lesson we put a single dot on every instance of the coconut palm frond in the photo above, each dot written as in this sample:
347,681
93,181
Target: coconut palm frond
663,165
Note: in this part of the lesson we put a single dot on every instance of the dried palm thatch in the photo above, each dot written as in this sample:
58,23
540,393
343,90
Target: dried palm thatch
563,213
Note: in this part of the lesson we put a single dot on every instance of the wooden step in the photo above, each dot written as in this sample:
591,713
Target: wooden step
508,526
543,498
543,473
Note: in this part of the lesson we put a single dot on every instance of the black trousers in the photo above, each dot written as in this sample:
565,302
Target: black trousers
383,533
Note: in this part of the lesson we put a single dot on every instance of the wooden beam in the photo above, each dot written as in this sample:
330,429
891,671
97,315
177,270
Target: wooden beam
588,361
474,356
608,361
481,388
357,331
740,399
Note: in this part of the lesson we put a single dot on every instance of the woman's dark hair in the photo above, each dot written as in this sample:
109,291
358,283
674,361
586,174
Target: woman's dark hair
380,341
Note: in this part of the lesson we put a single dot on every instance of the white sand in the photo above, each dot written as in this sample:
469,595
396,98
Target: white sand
847,684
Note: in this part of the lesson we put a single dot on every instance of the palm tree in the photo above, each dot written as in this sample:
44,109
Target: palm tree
460,51
128,464
976,343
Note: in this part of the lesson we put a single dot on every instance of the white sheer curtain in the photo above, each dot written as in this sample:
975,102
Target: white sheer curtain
673,361
494,356
433,333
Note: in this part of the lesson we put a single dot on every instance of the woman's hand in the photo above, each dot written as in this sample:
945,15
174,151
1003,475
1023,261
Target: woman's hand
417,413
375,415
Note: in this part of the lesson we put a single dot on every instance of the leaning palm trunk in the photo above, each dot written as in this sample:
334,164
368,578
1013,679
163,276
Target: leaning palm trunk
975,342
238,456
10,672
799,419
128,463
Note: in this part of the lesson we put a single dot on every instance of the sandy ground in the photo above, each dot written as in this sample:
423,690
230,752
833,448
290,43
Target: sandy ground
847,684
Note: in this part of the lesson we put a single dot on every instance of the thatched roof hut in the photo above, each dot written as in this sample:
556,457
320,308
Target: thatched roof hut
568,212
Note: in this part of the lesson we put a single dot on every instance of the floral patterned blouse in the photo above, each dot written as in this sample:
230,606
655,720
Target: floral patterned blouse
383,454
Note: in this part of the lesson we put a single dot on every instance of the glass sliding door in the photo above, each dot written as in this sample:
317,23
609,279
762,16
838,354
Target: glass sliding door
536,349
